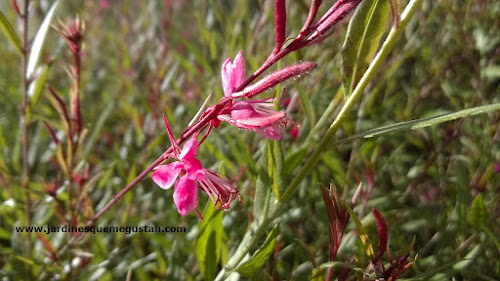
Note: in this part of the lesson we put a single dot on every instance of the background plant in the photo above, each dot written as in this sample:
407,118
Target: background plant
141,60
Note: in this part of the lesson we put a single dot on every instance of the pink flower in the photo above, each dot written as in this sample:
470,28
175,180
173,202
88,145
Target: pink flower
185,192
189,171
233,74
104,4
258,116
252,115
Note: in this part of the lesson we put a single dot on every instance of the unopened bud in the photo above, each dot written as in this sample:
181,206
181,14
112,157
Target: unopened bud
274,79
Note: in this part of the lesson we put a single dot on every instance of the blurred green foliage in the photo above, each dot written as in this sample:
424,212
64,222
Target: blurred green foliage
145,58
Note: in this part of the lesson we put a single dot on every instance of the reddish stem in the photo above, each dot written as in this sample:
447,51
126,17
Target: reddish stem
188,132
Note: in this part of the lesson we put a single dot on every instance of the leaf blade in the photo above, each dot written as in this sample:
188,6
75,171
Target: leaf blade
423,122
261,255
363,36
8,30
361,233
36,48
209,241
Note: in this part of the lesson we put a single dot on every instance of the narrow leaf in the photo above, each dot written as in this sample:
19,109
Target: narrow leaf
293,160
36,49
209,241
363,36
477,215
275,163
260,257
362,233
10,33
307,106
46,244
382,232
35,92
263,188
423,122
457,115
319,271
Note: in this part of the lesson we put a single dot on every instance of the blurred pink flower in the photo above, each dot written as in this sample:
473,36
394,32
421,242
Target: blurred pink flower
191,171
233,74
104,4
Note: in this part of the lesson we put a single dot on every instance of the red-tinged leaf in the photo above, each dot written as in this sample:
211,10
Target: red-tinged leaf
330,211
16,8
280,22
46,244
51,132
382,232
61,109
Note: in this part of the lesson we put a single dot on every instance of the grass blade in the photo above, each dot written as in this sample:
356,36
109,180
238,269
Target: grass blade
10,33
36,49
424,122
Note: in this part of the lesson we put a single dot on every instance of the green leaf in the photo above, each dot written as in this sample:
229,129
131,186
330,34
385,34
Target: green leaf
10,33
263,188
36,48
293,160
35,92
363,36
361,232
260,257
423,122
275,163
459,114
306,105
209,241
477,215
319,271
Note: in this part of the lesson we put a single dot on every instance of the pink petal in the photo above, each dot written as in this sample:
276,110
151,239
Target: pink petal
165,175
185,195
239,69
243,109
259,121
272,133
193,168
226,72
190,148
232,74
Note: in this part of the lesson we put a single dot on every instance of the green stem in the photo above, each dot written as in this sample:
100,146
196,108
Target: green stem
250,239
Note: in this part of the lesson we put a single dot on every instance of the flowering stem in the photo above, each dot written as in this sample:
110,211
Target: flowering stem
188,132
117,197
25,179
250,239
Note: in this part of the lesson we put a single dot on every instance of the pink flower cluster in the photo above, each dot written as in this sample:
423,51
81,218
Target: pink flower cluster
190,171
239,110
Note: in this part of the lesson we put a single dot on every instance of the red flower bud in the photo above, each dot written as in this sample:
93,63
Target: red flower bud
274,79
